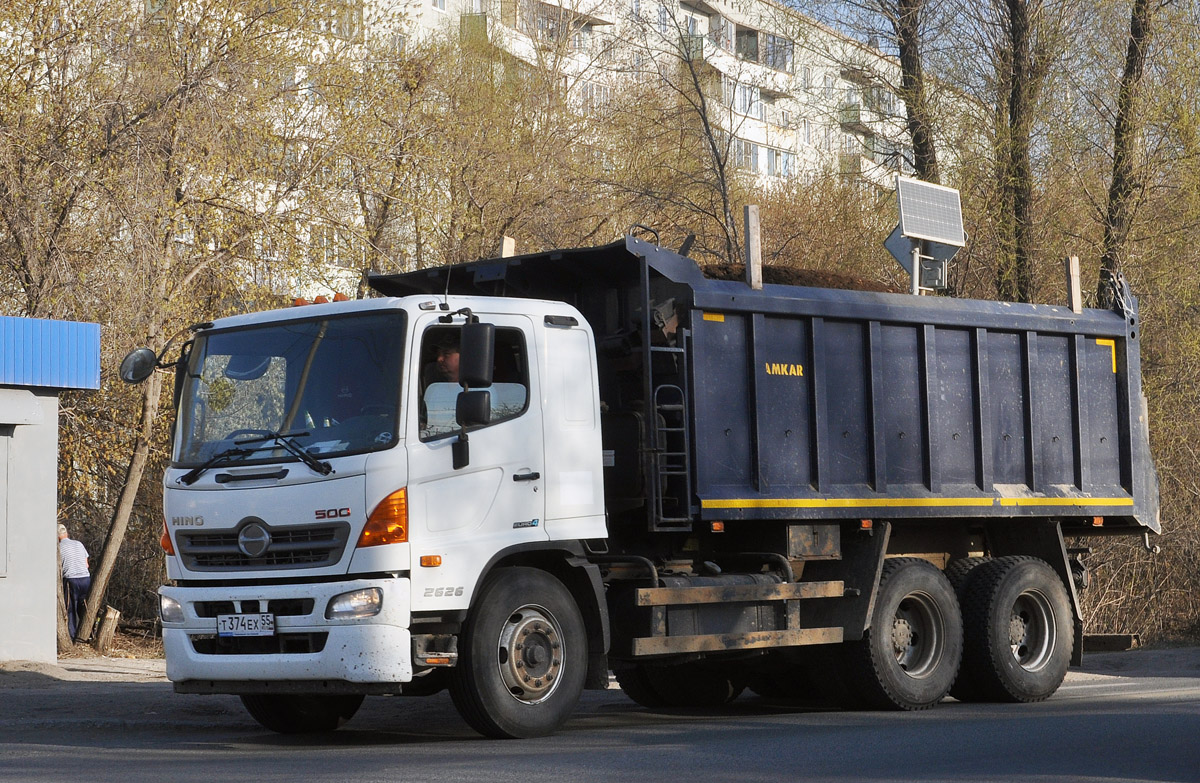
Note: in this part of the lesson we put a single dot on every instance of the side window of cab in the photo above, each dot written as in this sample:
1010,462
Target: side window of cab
439,385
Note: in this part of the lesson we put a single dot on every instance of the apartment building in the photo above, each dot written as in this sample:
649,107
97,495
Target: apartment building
796,98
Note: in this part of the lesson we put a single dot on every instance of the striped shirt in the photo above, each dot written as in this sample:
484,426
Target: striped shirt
74,558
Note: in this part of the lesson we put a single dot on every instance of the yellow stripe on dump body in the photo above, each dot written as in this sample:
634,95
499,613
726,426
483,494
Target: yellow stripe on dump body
736,503
718,317
1112,346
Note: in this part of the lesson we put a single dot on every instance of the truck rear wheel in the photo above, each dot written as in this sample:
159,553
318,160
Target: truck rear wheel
523,656
289,713
909,657
959,572
1018,634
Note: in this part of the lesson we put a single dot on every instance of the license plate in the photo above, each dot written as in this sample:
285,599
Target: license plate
245,625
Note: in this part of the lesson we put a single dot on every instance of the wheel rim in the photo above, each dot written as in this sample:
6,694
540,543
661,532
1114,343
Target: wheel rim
530,654
917,634
1032,633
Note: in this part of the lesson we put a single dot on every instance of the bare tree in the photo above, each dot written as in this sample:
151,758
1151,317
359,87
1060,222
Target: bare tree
1125,183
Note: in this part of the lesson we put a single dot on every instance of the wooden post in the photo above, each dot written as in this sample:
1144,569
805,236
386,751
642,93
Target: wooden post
1074,293
108,629
508,247
753,248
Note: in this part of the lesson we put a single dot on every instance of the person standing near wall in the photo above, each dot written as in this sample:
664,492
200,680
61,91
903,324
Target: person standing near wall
77,578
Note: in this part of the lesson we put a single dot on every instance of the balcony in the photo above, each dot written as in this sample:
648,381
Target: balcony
855,117
852,164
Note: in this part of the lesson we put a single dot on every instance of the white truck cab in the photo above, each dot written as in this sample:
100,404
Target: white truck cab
322,530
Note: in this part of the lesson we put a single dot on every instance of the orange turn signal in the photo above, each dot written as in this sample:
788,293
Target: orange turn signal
388,523
866,524
165,541
340,297
717,527
431,561
298,302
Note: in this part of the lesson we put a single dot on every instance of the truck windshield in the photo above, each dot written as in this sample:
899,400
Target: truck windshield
331,385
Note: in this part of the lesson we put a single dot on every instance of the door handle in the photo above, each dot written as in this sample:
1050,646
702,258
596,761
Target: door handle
533,476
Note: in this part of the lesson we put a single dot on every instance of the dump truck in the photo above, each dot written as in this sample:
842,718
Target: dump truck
522,477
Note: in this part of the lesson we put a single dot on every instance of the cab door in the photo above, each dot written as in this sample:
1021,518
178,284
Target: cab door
497,500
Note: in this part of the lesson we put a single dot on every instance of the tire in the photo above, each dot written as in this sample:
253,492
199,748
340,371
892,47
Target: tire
523,656
687,686
635,682
960,571
909,657
1018,631
289,713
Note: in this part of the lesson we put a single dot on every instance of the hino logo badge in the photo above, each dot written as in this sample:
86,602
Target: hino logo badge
254,540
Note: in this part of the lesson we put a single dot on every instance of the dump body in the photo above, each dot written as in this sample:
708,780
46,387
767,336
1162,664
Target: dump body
796,403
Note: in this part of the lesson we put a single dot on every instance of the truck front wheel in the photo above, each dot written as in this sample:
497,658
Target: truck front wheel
289,713
523,656
1018,632
909,657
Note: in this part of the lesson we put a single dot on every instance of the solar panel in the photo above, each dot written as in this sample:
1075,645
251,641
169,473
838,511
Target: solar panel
930,212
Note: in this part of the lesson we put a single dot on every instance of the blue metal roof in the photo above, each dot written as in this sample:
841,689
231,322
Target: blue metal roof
56,354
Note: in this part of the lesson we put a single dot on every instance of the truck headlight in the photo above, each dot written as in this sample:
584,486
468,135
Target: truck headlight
170,610
358,603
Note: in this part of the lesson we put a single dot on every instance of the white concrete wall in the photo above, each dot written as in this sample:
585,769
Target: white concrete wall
28,507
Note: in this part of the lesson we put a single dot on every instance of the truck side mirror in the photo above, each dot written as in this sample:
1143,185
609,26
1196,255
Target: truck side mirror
473,408
477,352
138,365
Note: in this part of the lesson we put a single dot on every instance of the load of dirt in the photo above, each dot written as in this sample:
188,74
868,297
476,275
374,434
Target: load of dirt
787,275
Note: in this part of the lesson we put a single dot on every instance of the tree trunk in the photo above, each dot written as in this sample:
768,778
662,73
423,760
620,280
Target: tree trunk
1015,280
1125,180
912,89
63,632
124,508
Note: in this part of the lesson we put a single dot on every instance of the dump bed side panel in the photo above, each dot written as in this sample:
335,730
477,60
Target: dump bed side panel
876,407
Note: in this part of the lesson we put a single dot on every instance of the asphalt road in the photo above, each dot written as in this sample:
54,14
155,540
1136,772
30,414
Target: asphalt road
1126,717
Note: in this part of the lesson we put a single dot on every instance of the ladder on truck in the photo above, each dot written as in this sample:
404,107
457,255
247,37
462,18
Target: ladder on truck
670,444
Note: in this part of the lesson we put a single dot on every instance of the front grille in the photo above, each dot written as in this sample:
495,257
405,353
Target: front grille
280,644
280,607
307,546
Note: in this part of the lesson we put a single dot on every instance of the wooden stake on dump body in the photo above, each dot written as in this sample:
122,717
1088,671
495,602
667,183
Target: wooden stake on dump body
753,248
1074,292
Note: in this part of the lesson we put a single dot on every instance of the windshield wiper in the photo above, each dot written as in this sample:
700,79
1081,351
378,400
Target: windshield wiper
291,446
225,457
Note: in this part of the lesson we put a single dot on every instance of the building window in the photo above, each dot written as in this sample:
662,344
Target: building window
785,118
745,155
780,163
749,102
829,87
348,20
747,45
807,132
807,78
664,21
777,52
438,4
720,32
594,98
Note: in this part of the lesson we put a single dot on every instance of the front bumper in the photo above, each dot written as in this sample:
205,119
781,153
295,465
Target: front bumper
308,651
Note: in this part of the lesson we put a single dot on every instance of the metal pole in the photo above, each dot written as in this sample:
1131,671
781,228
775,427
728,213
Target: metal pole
916,268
